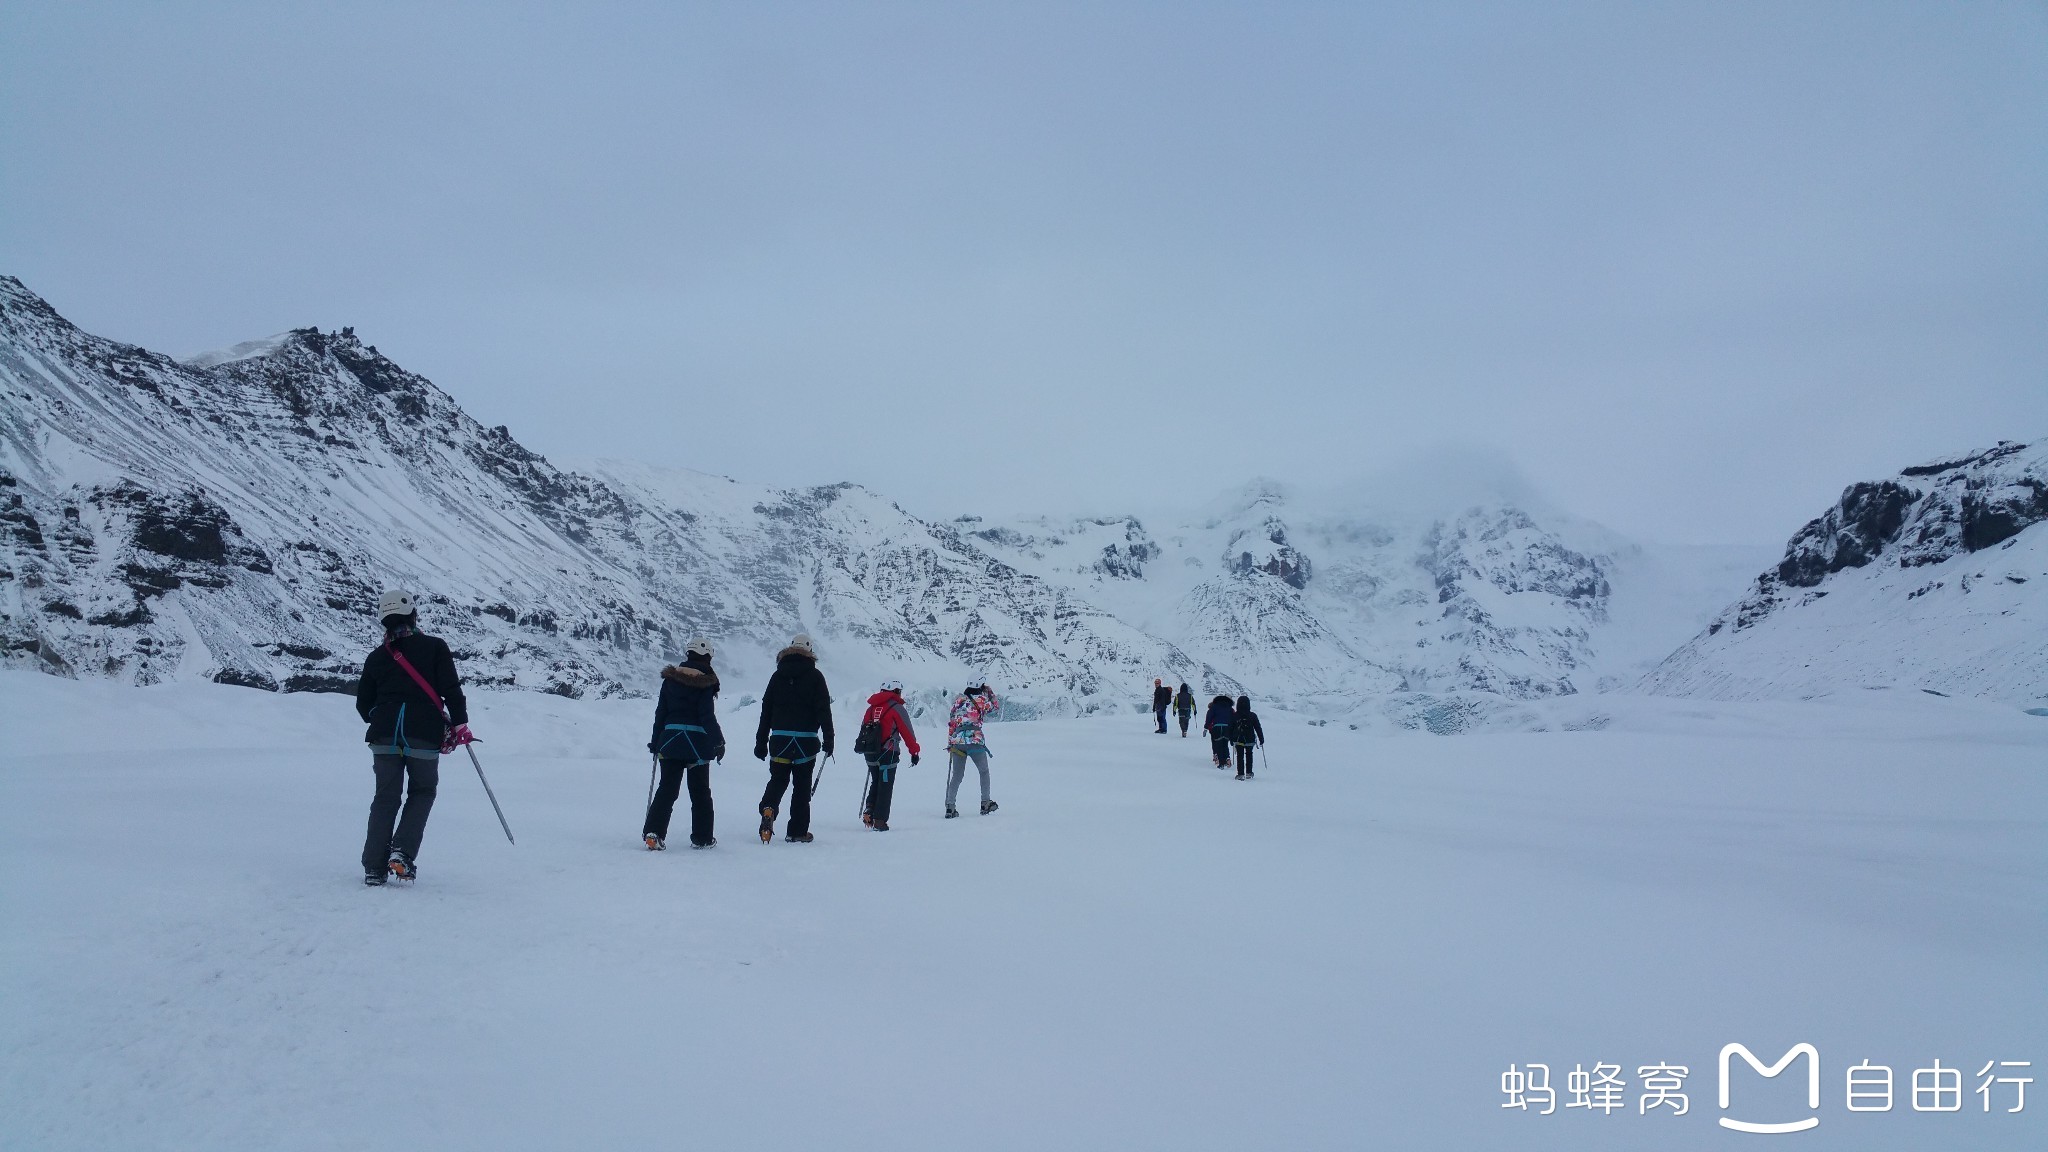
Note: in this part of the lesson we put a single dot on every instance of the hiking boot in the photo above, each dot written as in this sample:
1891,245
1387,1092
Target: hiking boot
402,868
767,823
867,819
951,812
375,879
795,838
880,825
654,843
696,843
988,806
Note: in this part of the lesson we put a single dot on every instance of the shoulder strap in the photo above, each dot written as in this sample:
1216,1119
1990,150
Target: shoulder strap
418,679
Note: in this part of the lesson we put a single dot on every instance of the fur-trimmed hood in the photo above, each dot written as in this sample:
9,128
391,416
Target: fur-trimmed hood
690,677
800,653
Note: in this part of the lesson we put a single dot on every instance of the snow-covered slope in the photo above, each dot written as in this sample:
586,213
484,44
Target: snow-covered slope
1931,579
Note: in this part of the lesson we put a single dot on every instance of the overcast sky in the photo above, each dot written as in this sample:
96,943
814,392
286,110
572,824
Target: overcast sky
1694,267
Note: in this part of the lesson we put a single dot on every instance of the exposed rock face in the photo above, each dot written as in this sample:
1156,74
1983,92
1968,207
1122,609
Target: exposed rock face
1927,579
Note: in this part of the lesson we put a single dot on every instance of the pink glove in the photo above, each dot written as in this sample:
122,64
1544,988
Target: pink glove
457,737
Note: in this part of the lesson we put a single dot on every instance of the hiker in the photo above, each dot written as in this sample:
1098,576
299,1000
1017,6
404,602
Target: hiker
406,682
1184,707
686,740
1216,724
965,740
884,732
795,709
1162,699
1244,732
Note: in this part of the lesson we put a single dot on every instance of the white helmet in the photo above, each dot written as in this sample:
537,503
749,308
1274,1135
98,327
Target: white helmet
395,603
802,642
892,685
700,647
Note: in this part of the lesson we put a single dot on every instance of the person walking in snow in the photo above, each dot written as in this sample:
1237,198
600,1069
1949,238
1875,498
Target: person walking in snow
1184,707
686,740
1245,732
795,729
965,740
1162,699
407,682
885,726
1216,725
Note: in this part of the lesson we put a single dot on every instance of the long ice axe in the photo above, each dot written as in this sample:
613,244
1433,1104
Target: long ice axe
493,795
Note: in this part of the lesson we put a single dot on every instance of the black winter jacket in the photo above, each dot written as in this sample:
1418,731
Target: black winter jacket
386,694
1162,698
1220,714
1184,704
688,692
1244,728
796,700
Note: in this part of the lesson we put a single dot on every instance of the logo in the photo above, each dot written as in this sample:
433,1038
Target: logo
1784,1062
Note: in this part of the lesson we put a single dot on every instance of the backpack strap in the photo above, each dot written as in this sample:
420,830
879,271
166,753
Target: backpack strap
392,649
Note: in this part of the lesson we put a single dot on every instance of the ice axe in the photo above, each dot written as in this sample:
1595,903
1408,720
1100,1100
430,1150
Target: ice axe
494,796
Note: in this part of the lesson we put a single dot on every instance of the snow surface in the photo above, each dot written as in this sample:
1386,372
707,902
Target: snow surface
1135,952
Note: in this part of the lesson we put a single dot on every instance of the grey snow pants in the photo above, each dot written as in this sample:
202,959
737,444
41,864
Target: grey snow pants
956,771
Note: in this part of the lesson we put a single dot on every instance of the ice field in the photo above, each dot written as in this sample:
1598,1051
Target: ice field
1136,952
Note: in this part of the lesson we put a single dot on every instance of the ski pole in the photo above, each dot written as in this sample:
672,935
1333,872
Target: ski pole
653,766
494,795
820,777
866,787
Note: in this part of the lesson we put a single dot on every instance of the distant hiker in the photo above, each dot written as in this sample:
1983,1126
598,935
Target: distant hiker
686,740
1162,699
1216,723
406,682
1184,707
795,709
965,740
884,731
1245,732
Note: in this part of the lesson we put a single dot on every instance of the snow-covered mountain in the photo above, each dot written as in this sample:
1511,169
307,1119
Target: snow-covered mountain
231,517
1329,600
1931,579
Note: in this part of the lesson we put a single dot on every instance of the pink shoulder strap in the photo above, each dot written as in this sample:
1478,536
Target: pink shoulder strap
418,679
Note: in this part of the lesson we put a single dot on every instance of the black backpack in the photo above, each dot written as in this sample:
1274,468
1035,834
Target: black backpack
868,741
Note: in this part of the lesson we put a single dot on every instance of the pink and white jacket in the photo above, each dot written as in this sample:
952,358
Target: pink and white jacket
963,726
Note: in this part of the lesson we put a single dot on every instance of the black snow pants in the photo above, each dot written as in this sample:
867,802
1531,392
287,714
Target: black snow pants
881,788
1184,718
802,759
1244,759
674,772
1219,747
392,772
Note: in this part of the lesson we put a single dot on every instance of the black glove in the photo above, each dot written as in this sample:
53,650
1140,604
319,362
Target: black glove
651,747
913,759
760,750
828,747
719,755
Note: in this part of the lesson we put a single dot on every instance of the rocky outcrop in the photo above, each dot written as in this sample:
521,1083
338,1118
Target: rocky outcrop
1925,579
